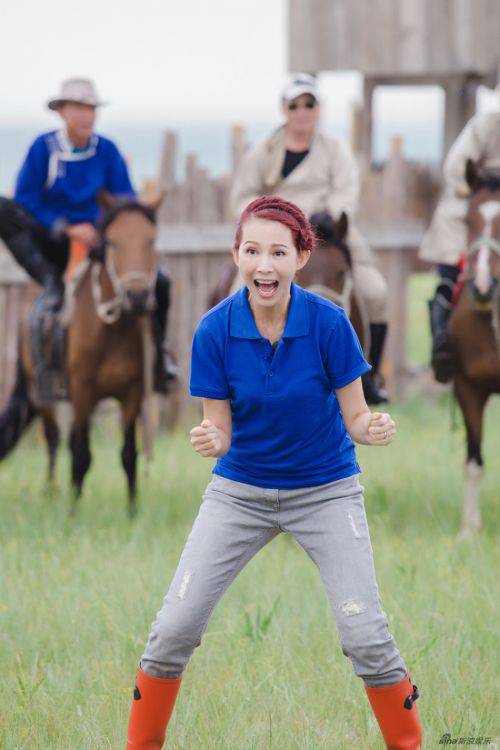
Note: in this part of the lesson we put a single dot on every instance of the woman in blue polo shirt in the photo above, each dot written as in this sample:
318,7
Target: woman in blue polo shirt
279,371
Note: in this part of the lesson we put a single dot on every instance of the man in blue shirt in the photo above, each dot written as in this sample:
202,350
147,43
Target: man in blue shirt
55,201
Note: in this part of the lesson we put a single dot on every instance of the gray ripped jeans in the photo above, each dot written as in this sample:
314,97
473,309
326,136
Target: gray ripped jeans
235,521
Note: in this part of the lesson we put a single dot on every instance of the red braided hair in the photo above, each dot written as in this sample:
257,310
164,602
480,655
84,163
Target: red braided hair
272,208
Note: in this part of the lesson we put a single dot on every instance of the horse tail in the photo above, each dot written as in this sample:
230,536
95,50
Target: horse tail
18,413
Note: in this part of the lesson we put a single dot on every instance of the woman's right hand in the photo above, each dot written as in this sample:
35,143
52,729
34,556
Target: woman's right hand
206,439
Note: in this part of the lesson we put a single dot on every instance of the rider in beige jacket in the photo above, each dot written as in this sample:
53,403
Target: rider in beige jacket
446,239
299,163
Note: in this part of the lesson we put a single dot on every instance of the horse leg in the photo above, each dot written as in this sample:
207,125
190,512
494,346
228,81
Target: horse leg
130,412
83,405
51,432
472,401
129,463
80,459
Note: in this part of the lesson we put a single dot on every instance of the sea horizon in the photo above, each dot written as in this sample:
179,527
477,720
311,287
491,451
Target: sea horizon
141,143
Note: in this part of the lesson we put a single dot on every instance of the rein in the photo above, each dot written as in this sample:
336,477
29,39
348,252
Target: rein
489,242
342,298
495,315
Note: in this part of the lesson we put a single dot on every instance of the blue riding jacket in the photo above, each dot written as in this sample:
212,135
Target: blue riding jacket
59,183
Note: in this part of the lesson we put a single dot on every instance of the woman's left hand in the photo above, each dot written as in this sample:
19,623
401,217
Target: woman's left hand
381,429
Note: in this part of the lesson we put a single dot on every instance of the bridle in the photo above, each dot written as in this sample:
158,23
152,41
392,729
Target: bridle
342,298
484,245
109,311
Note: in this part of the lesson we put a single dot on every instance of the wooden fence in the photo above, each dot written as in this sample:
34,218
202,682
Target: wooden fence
195,235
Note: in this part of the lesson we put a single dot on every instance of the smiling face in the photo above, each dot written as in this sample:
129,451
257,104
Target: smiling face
268,261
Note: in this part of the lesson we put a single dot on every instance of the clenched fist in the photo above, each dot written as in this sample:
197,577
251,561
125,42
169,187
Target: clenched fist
206,439
381,429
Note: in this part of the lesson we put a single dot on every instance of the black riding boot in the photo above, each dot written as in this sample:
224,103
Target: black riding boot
374,392
439,311
166,370
31,258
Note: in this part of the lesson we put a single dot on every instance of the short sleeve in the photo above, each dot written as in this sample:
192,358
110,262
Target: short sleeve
345,359
208,377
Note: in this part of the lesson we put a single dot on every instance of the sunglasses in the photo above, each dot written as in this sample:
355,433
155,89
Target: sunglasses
310,104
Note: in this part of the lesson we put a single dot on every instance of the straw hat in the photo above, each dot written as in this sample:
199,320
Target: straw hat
81,90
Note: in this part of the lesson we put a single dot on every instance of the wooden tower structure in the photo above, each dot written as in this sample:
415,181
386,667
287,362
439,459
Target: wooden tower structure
450,43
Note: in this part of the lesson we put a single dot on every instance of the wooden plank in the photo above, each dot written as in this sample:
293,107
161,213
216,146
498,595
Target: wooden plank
382,37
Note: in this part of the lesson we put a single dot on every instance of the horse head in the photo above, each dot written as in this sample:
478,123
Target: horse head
328,271
482,270
127,251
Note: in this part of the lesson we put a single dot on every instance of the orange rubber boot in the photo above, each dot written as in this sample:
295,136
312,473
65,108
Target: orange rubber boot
154,699
397,715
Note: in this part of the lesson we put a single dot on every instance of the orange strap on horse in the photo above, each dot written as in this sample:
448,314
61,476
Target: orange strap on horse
78,252
460,281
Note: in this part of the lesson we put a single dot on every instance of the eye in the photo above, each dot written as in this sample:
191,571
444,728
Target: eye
250,250
279,252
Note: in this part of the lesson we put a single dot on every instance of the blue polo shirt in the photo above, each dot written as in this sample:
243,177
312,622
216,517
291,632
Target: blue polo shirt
287,428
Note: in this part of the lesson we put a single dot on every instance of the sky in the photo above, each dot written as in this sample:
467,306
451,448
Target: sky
189,59
166,61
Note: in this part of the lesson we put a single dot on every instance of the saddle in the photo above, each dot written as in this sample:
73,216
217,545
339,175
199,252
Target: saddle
48,333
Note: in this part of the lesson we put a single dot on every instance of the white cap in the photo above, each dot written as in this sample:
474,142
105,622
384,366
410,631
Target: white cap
298,84
80,90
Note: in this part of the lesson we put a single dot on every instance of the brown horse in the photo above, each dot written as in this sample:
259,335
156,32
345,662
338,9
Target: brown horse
108,337
474,330
327,273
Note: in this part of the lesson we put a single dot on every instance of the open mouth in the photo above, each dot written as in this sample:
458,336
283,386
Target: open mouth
266,288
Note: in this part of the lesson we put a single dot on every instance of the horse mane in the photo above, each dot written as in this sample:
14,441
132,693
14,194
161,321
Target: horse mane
120,206
325,229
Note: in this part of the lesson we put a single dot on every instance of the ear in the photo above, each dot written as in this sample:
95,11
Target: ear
472,175
234,251
342,226
105,200
303,258
153,199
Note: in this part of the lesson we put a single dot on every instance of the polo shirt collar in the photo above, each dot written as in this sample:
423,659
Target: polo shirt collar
242,323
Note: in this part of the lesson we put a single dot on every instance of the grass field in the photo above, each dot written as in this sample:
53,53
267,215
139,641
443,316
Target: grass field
77,597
